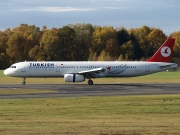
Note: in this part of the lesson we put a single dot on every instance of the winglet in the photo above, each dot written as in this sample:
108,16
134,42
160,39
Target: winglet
164,53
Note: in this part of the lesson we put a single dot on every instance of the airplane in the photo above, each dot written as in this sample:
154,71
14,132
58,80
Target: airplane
78,71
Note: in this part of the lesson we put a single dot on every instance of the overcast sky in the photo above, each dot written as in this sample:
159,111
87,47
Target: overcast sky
163,14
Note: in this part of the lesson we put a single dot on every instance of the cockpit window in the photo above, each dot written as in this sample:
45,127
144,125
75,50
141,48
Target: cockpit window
13,66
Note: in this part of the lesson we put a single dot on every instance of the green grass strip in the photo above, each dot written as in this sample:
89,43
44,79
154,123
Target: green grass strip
127,115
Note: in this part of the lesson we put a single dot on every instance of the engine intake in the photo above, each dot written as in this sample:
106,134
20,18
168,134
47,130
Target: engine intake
74,78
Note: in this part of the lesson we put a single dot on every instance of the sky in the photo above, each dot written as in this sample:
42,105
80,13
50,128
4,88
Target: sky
163,14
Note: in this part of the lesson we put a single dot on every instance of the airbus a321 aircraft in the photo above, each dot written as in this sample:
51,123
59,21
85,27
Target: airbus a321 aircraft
75,71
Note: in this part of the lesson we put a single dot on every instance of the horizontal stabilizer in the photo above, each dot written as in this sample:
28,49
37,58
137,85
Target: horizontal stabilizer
171,65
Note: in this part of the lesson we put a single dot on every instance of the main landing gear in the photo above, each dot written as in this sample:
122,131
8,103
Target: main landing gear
24,81
90,82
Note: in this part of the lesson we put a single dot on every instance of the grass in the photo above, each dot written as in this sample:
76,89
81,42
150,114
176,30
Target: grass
124,115
128,115
161,77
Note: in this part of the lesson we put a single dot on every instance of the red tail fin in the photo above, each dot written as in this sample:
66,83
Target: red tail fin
164,53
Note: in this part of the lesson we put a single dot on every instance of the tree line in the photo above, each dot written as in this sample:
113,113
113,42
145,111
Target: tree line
81,42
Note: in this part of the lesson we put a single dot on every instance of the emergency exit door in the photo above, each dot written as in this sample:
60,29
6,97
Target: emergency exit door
23,67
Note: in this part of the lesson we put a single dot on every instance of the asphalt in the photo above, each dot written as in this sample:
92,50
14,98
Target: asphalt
78,90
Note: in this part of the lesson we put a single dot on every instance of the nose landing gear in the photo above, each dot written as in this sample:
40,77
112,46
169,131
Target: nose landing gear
24,81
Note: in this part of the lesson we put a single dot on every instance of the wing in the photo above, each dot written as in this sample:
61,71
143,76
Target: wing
91,71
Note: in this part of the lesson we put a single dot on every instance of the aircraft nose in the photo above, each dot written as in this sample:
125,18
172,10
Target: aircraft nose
6,72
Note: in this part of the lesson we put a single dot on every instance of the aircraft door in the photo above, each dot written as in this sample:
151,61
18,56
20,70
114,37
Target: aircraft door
23,67
147,68
57,67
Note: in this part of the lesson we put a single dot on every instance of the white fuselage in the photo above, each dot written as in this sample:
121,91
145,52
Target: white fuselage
109,69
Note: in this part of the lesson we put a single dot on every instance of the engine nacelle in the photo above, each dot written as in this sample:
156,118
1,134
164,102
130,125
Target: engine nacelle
74,78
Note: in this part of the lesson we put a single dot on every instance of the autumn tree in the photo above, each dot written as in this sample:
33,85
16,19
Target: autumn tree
50,48
156,38
176,35
176,49
127,50
15,48
34,53
22,40
82,41
67,38
4,59
122,36
104,38
141,37
130,50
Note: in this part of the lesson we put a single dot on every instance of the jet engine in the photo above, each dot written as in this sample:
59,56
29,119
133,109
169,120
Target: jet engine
74,78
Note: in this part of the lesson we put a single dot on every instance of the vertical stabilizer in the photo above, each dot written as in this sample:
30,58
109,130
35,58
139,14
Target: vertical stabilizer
164,53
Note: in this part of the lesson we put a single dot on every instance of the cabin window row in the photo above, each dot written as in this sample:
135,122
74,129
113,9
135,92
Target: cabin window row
98,67
85,67
80,67
121,67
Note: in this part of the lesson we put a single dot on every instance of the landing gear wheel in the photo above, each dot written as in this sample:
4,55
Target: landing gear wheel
23,83
90,82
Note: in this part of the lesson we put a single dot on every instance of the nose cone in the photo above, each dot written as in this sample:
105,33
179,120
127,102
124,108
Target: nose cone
6,72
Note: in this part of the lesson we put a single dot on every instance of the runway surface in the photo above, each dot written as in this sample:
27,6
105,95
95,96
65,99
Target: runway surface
77,90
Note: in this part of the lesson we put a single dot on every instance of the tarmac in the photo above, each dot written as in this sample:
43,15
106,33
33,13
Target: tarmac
79,90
